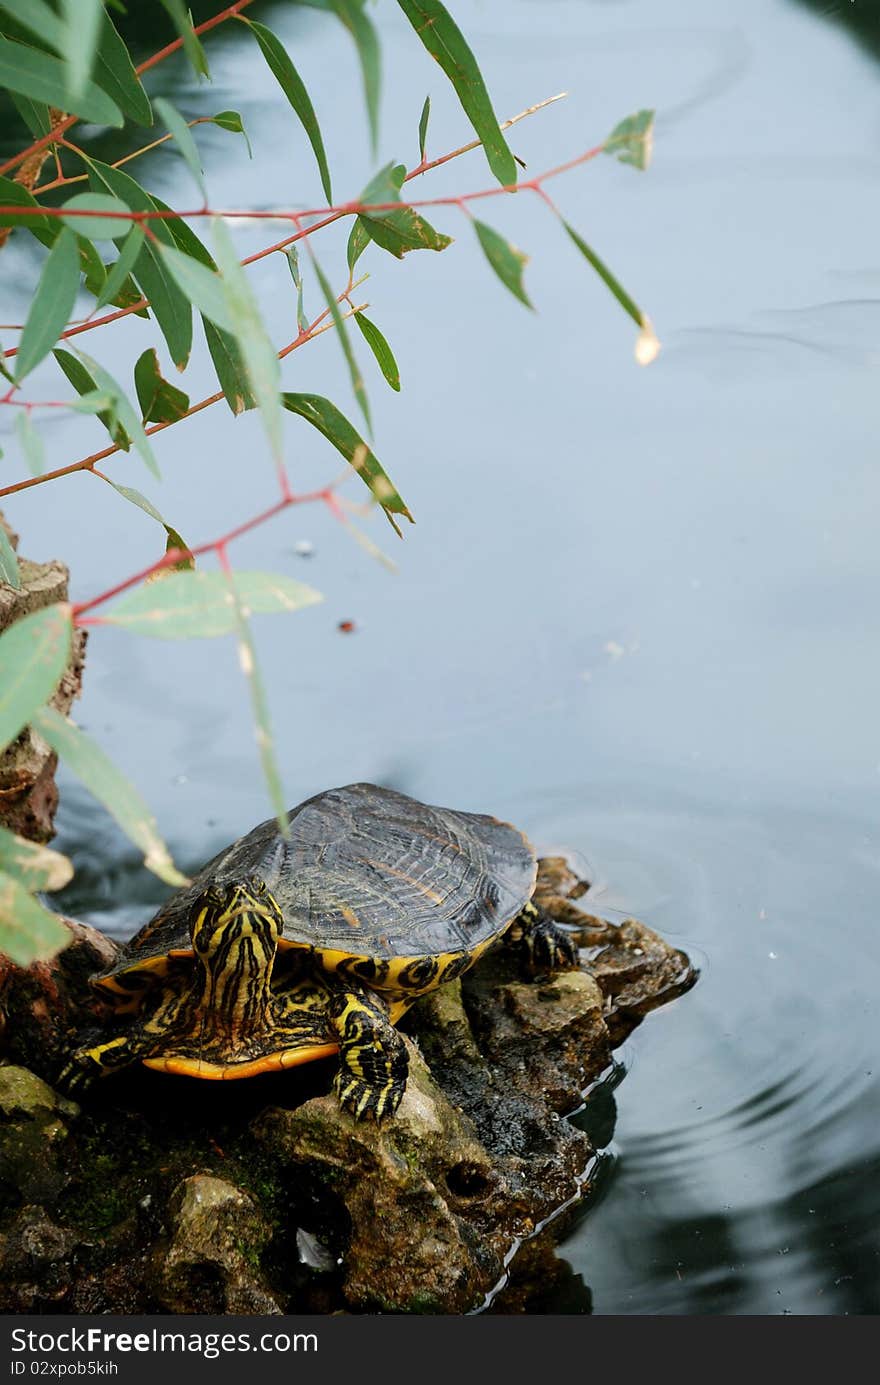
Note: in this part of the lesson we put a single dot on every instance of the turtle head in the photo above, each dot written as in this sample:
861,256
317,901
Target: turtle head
226,916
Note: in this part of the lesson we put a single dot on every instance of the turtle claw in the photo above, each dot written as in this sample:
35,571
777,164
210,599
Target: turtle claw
78,1075
545,947
366,1101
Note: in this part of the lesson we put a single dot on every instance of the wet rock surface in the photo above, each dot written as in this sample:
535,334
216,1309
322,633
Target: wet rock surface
164,1194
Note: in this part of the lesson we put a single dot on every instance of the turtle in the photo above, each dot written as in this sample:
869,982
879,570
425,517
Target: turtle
287,948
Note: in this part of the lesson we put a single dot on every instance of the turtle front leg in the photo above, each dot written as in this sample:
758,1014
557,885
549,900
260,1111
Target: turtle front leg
373,1061
86,1065
542,945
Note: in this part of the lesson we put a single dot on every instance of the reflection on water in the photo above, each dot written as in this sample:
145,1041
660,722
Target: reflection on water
637,615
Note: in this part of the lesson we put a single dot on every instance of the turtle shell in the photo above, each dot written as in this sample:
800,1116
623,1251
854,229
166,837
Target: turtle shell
366,872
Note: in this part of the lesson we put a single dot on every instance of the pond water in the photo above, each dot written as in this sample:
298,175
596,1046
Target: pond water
638,612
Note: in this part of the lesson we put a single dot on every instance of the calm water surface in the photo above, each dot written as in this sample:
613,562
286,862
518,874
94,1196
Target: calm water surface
638,613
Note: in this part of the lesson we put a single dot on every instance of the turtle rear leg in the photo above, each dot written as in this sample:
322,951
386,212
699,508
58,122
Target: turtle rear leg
542,945
373,1061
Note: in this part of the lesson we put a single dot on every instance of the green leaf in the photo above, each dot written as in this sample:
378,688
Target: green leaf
28,932
29,72
423,127
358,241
51,305
632,140
325,416
398,229
197,605
104,227
35,867
290,252
202,286
357,380
169,304
12,194
40,19
83,383
9,572
101,777
134,497
647,345
33,655
118,282
231,120
445,42
160,401
258,354
247,658
35,114
31,443
178,127
380,349
231,374
124,410
294,89
507,262
360,26
191,45
115,73
82,28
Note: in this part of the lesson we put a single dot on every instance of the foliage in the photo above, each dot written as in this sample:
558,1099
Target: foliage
117,244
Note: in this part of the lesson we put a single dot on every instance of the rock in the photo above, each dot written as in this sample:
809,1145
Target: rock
211,1263
36,1269
167,1195
33,1133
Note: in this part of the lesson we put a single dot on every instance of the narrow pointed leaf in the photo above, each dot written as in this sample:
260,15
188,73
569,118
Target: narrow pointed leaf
160,401
35,114
115,74
83,383
38,18
35,867
203,287
196,605
52,304
12,194
134,497
247,658
258,354
82,28
358,241
231,374
178,127
357,380
28,931
125,411
168,302
290,82
110,787
632,141
103,227
31,443
30,72
325,416
423,128
360,26
9,572
443,39
647,345
33,655
118,281
507,262
231,120
380,349
191,45
292,257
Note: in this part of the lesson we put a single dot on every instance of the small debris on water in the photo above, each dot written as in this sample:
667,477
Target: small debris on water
346,627
304,548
